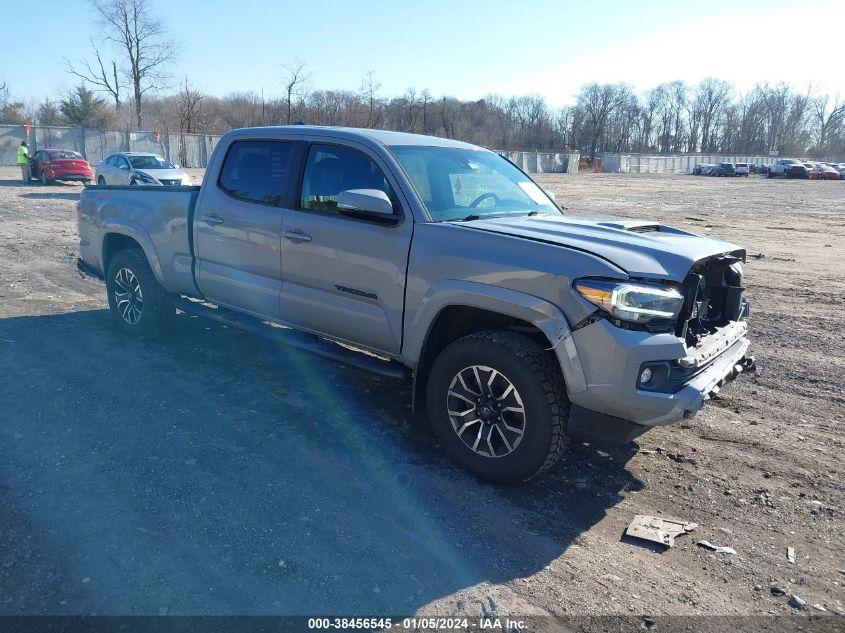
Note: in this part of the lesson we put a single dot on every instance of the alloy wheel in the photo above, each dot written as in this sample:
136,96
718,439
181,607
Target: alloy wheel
128,296
486,411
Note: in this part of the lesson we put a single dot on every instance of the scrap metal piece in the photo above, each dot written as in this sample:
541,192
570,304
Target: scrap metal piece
658,530
790,554
716,548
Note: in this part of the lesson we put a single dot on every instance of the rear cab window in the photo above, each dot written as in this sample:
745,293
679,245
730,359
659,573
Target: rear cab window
256,171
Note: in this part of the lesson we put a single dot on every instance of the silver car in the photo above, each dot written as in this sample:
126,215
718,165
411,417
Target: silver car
139,168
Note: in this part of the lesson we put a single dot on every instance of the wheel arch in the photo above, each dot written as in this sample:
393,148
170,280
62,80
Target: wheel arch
454,309
120,235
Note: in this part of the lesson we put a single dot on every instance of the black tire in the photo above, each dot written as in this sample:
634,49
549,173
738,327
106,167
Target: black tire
133,182
43,178
537,380
156,309
101,182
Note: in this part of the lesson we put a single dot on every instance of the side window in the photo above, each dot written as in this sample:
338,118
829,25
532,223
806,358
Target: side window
256,171
332,169
38,156
123,163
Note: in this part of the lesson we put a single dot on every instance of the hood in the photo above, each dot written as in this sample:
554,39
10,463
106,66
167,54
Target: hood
166,174
640,248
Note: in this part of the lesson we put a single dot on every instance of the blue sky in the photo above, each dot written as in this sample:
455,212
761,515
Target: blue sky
464,48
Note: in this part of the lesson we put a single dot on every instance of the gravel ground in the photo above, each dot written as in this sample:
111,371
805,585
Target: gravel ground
212,473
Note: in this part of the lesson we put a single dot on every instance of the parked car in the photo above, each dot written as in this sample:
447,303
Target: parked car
707,170
841,169
723,169
742,169
137,168
443,263
60,164
822,171
788,168
696,171
759,169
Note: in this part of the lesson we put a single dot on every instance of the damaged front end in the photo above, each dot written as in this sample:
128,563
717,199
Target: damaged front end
661,372
712,319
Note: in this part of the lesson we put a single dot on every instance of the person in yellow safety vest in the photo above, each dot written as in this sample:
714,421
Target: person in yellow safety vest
23,163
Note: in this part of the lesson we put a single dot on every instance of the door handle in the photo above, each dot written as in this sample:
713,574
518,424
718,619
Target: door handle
212,219
296,235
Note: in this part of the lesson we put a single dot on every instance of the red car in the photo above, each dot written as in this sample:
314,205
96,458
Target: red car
60,164
824,172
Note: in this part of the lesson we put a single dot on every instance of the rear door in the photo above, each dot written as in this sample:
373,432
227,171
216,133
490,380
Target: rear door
345,277
238,224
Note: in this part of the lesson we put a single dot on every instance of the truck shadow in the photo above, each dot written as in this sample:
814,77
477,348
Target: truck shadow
210,472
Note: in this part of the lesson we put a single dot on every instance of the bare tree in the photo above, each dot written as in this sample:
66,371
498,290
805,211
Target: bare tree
369,89
827,119
711,98
105,78
294,84
130,25
598,102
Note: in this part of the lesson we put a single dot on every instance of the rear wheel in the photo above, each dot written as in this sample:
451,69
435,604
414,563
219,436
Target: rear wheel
498,406
138,303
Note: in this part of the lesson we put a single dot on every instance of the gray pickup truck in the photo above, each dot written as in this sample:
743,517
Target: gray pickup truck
440,262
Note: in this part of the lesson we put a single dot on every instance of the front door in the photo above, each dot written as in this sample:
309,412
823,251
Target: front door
237,227
344,277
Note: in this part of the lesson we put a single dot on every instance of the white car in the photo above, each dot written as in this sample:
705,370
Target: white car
137,168
741,169
841,169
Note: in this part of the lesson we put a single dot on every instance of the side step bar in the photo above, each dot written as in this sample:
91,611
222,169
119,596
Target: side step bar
294,338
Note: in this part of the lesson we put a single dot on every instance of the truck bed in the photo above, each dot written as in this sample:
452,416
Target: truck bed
158,218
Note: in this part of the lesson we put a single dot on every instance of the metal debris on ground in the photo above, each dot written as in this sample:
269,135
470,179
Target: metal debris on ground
819,607
658,530
716,548
796,603
790,554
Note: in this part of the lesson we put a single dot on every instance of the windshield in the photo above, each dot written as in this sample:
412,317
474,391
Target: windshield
64,154
458,183
150,162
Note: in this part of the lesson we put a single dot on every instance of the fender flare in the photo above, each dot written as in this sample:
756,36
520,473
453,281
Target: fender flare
542,314
136,232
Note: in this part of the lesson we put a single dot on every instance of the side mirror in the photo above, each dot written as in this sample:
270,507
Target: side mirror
369,204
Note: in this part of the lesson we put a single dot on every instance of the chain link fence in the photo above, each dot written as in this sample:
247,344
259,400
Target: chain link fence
186,150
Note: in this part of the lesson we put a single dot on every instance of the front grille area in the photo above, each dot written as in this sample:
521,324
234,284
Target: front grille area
713,297
170,183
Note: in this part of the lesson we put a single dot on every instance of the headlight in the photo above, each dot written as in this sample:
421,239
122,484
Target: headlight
632,302
144,177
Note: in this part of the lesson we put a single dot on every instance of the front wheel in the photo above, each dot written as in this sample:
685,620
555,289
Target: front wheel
44,180
498,406
101,182
138,303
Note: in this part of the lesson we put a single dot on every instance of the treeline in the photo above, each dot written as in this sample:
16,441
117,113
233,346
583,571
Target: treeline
672,117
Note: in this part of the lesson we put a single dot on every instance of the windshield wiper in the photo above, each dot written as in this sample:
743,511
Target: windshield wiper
469,218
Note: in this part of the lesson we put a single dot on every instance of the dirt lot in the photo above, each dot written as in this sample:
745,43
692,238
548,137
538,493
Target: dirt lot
211,473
